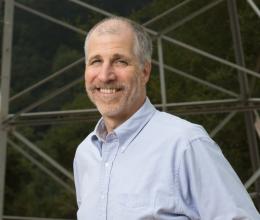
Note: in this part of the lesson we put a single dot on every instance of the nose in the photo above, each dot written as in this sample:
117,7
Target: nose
106,73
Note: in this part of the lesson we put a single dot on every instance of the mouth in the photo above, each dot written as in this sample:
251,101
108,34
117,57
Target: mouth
108,90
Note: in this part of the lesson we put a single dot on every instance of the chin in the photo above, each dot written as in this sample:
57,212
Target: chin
110,111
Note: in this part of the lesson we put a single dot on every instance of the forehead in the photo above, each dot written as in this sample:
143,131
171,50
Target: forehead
109,37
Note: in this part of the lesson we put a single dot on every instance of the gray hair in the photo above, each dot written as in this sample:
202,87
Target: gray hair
143,46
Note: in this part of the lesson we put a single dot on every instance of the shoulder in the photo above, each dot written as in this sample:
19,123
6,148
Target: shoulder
170,125
86,143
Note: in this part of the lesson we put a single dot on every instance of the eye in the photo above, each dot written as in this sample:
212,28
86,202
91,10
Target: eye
95,62
121,62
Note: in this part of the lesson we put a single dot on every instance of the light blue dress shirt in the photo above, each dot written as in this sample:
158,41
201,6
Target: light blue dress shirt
156,166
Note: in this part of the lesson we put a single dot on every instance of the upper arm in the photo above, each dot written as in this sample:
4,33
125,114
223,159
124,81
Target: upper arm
209,183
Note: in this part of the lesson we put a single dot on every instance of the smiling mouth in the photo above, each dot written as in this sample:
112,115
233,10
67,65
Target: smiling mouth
108,90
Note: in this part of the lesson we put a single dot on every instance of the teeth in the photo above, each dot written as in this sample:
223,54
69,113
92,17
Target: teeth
108,91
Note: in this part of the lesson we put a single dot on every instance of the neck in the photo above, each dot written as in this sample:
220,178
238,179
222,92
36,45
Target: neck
112,122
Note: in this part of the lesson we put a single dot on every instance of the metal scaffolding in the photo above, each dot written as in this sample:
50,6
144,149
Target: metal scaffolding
241,102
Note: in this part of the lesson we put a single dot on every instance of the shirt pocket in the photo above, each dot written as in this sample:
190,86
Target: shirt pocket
166,201
133,206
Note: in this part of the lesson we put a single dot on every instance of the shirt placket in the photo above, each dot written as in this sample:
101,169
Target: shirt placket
109,152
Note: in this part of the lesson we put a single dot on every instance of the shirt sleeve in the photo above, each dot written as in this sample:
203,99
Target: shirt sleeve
209,185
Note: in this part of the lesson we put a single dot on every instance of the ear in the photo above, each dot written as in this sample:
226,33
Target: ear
146,72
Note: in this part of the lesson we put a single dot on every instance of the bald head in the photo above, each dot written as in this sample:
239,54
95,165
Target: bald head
118,25
111,26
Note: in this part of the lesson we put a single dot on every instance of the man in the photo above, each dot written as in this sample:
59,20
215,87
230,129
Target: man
139,163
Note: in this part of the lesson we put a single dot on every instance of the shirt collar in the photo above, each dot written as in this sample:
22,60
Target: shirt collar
127,131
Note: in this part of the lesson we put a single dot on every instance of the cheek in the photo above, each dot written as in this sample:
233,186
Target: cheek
89,77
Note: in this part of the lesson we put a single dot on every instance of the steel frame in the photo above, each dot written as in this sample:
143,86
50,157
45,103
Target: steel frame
238,103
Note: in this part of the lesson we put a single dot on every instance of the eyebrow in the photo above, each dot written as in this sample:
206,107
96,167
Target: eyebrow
94,57
117,56
114,57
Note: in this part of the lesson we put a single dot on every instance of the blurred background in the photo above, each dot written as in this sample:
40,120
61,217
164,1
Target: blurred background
206,68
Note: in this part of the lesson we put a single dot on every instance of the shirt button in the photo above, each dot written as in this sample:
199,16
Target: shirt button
106,165
102,196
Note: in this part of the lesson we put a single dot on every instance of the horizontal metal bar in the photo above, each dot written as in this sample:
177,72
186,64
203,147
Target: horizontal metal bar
56,121
37,150
42,167
186,104
47,98
57,73
92,115
215,106
51,113
31,218
255,99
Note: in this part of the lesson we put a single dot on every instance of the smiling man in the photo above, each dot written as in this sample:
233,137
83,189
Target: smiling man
140,163
115,77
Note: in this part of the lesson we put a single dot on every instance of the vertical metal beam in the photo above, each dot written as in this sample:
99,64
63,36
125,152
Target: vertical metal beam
4,91
162,78
244,89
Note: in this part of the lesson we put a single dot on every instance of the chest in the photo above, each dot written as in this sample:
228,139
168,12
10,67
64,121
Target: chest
133,181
